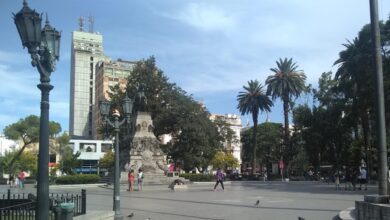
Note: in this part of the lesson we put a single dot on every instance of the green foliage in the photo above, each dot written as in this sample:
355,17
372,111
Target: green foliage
27,130
27,162
287,83
193,177
225,161
69,160
251,101
107,161
269,136
78,179
194,137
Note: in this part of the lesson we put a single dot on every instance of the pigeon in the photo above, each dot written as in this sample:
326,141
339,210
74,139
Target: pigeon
131,215
300,218
257,203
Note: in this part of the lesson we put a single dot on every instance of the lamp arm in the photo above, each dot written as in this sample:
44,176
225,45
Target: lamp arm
43,65
106,120
122,122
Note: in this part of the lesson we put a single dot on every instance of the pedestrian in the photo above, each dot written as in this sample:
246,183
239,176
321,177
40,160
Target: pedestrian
21,177
11,180
131,179
337,180
363,178
348,177
219,176
140,179
354,178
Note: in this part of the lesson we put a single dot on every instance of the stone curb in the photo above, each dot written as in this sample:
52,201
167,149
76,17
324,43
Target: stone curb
348,214
76,185
96,215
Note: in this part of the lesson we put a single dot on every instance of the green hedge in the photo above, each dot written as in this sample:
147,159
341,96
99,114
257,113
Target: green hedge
78,179
198,177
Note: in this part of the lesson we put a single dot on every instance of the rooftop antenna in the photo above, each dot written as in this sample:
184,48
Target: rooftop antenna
81,23
91,20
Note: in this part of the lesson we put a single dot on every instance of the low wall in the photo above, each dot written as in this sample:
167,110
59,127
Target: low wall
373,208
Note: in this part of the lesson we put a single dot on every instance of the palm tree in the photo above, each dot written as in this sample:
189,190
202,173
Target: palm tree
286,83
252,100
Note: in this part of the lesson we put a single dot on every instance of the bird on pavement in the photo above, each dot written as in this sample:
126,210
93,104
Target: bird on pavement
300,218
131,215
257,203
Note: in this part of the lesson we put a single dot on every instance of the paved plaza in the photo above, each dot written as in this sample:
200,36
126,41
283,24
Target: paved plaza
278,200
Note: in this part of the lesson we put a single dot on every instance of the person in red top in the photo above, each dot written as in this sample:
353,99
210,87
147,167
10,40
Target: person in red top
21,177
131,179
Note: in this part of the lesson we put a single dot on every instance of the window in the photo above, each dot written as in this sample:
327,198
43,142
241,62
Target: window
88,147
106,147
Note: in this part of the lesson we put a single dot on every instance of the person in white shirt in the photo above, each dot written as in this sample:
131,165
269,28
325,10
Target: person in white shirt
363,178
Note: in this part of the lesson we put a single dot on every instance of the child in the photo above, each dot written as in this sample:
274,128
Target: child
131,179
140,178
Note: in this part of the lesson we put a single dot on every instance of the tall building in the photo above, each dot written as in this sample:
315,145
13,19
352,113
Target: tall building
109,73
86,52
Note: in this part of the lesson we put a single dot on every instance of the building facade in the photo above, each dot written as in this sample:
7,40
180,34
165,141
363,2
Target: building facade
234,123
91,151
108,73
86,52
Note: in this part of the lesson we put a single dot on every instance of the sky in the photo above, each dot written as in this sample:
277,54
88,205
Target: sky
210,48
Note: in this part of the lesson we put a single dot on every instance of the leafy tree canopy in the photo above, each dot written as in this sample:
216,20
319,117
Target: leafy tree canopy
194,137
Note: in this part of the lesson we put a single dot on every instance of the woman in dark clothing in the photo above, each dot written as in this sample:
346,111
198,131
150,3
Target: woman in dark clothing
219,177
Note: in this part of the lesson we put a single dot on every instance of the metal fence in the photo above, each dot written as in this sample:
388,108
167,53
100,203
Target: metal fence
22,206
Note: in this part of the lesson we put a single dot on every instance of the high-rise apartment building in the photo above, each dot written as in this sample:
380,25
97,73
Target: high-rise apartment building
109,73
86,52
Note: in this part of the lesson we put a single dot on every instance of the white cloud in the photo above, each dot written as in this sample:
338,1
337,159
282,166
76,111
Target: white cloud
205,17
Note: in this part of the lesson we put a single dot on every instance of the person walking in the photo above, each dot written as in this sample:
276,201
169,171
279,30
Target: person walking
337,180
131,179
348,178
140,179
363,178
219,176
21,177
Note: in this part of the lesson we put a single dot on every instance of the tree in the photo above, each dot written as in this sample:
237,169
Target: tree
228,136
27,130
69,160
27,162
107,161
251,101
269,136
194,137
287,83
224,160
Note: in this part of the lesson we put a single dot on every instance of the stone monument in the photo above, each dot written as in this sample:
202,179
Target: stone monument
146,153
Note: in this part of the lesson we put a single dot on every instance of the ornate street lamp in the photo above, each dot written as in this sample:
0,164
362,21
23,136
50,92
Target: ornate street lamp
105,108
43,46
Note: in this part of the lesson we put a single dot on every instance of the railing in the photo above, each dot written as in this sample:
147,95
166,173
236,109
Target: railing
22,206
25,211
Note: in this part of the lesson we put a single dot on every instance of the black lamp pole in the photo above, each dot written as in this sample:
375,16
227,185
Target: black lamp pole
43,46
380,103
104,111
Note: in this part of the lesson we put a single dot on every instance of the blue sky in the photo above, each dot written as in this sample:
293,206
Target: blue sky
209,48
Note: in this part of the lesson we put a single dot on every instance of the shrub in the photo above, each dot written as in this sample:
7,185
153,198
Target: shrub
78,179
197,177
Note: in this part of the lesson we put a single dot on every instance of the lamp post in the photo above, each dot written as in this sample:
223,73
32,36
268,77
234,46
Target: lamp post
104,111
43,46
380,103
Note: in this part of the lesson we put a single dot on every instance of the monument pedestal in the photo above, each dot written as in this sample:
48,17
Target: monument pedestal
146,154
